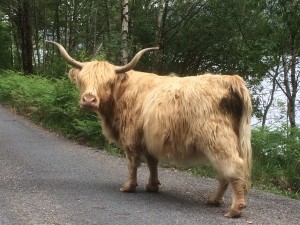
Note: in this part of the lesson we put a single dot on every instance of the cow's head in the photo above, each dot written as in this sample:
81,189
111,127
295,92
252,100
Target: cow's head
94,79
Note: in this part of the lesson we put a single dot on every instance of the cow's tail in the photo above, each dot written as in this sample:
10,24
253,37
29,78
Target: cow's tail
245,149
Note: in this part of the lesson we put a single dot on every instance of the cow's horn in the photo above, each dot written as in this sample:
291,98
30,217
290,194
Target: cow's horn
66,56
133,62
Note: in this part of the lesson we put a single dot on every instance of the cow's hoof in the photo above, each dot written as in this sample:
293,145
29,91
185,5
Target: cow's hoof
152,188
128,188
215,202
233,213
236,211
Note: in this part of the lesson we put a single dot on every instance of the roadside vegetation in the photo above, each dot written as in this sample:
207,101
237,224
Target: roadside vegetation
53,103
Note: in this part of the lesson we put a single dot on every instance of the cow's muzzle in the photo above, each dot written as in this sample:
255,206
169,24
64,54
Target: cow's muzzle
89,101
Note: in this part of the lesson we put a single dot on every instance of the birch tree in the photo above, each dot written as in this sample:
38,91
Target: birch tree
125,17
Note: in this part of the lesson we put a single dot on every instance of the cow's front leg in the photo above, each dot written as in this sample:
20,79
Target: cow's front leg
153,182
133,161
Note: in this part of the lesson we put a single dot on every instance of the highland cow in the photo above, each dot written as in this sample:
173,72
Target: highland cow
174,119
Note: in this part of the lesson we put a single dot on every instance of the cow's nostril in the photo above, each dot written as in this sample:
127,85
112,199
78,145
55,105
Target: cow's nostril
89,99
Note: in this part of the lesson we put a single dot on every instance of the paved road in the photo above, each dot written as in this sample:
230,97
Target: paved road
45,179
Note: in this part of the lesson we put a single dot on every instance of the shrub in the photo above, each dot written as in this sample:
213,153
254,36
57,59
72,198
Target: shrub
51,102
276,156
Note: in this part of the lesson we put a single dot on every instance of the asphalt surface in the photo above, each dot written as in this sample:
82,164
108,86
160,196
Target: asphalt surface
45,179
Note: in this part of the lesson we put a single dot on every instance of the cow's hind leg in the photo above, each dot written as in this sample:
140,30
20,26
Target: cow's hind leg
232,170
238,199
133,161
153,182
217,199
235,173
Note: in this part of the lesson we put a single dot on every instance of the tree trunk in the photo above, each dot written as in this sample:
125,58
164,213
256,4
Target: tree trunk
271,98
25,34
13,40
294,84
161,19
57,21
36,39
124,51
73,22
291,79
95,17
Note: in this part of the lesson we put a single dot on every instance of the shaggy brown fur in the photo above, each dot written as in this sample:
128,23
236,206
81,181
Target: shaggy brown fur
174,119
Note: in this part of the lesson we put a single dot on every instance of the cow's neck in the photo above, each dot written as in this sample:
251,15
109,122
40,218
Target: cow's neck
109,111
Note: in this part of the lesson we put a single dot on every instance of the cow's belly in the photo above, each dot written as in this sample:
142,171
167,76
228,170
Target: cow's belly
178,149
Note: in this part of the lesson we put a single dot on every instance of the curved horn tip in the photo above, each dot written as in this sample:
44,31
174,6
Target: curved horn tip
135,59
66,55
50,41
151,48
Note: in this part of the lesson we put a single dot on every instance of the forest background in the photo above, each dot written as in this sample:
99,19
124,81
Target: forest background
257,39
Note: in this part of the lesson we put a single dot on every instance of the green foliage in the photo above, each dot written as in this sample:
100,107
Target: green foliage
277,157
203,171
113,149
51,102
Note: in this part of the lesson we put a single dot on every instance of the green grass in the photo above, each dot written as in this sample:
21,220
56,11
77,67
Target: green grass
276,160
54,104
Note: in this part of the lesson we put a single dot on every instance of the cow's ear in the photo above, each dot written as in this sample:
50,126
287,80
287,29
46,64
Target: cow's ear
73,73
